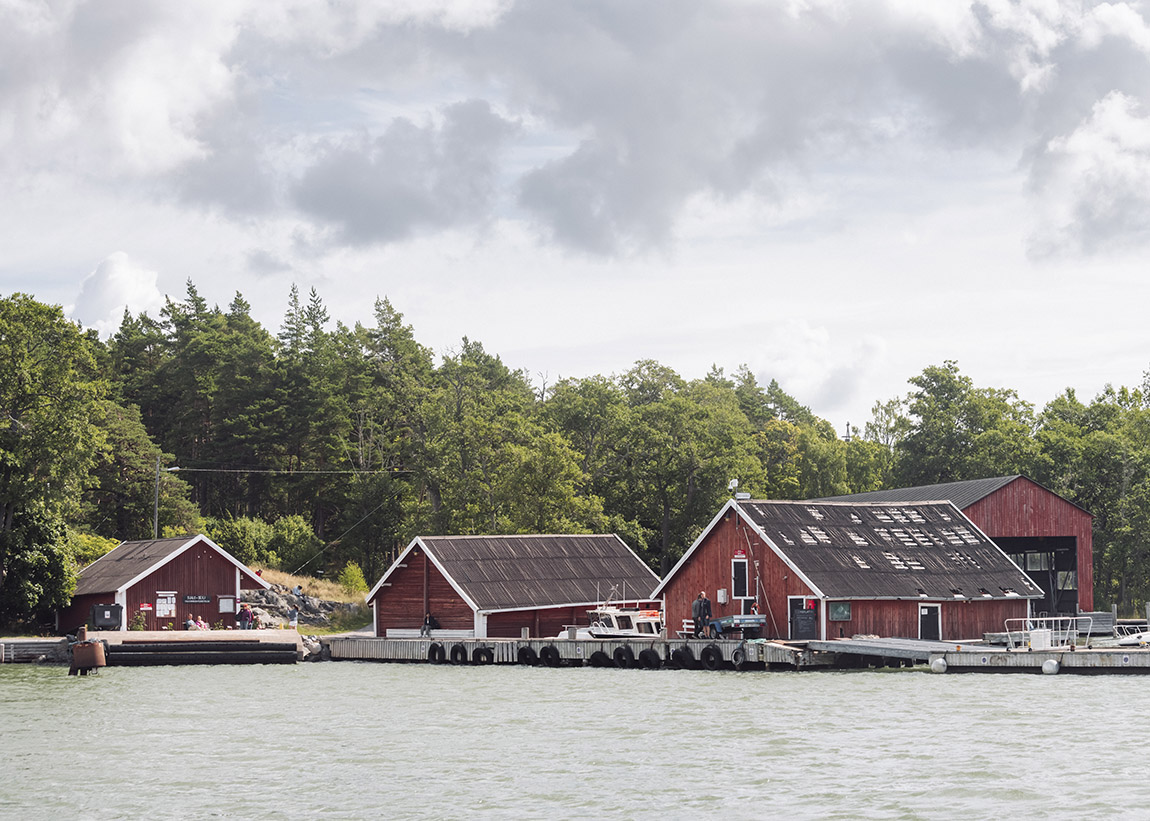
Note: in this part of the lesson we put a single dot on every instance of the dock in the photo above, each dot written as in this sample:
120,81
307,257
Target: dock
648,654
166,647
1082,661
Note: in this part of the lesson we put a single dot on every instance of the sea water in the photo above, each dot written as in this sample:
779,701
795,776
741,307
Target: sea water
364,740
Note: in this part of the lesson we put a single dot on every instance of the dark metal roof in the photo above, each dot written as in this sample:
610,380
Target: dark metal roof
510,572
125,562
860,550
129,560
963,494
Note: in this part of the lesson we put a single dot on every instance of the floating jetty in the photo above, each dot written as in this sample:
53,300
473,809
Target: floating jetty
840,654
642,653
157,647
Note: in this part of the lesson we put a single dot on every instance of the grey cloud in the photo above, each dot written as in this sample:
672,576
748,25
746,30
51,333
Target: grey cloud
410,179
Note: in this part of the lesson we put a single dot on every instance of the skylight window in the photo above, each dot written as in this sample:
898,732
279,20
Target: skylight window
863,565
820,534
857,538
815,513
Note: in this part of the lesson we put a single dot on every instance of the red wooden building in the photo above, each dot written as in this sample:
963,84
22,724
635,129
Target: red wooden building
1045,534
497,586
819,570
163,580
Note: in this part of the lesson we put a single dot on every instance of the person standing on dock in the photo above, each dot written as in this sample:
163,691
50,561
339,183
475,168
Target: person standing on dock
246,616
701,612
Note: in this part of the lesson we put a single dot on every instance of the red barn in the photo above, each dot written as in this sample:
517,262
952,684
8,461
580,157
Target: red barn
497,586
819,570
163,580
1048,536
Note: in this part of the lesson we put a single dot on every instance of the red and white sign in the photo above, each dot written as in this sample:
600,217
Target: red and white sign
740,553
145,605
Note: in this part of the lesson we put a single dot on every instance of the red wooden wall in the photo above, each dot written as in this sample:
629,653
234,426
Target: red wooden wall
961,620
199,570
1026,509
401,605
709,569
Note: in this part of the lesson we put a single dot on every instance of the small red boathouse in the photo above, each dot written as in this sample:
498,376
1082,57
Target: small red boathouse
162,581
499,586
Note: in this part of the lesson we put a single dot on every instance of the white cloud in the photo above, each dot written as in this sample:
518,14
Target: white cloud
115,285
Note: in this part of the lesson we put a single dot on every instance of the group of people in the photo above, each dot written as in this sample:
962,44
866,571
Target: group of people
196,623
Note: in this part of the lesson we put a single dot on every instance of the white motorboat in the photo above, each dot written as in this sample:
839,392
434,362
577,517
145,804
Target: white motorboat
611,622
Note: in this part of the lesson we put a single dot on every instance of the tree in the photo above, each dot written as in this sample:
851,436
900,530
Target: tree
48,442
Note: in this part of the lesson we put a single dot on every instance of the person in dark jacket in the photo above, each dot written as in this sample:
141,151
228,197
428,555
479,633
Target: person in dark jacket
701,612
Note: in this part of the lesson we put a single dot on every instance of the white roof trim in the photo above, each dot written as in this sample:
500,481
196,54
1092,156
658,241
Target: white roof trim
734,505
658,591
417,541
180,551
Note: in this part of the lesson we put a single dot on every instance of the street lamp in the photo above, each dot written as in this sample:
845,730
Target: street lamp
156,506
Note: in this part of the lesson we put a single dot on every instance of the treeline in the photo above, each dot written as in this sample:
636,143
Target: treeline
321,445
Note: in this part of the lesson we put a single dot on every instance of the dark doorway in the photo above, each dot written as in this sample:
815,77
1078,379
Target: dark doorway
928,622
804,618
1052,564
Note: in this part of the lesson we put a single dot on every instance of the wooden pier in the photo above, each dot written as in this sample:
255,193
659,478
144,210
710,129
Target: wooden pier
166,647
1083,661
634,653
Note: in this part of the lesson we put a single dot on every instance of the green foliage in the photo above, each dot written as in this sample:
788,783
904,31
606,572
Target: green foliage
87,547
295,543
40,574
138,622
351,579
248,540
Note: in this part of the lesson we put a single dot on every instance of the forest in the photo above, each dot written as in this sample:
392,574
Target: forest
321,446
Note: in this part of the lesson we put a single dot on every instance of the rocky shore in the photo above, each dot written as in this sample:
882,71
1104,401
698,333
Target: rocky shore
272,610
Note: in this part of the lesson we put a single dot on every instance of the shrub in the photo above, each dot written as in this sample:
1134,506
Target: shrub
351,579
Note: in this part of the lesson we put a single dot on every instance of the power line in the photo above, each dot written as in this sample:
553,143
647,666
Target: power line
294,472
340,536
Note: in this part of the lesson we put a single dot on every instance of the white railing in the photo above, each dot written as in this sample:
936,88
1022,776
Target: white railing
1044,632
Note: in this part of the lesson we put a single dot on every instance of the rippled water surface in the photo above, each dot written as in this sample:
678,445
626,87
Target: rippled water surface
360,740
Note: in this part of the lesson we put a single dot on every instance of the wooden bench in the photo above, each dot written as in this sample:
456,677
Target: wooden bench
413,633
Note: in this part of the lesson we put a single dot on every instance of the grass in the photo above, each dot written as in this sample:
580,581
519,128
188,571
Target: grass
342,621
318,588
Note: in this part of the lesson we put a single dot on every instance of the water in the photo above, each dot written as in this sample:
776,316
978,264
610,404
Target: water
359,740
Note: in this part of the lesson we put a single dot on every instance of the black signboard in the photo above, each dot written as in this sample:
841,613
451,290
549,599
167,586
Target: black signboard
197,599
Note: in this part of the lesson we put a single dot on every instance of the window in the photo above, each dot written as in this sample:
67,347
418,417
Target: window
839,610
738,578
227,604
1036,561
623,622
1067,580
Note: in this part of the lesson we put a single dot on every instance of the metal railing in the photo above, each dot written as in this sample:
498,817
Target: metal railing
1044,632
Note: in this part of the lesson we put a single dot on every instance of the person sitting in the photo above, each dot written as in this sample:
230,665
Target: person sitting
429,624
201,624
298,590
190,623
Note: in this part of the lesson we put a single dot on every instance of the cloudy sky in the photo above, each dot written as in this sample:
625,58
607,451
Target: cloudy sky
835,193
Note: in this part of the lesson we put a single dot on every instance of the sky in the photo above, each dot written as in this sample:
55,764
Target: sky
835,194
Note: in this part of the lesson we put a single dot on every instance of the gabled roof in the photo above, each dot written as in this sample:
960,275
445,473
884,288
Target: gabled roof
882,551
963,494
522,572
129,562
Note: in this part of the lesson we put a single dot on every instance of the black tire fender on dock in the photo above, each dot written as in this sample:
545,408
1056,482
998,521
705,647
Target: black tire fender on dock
650,659
458,654
436,654
482,655
601,659
712,657
550,655
527,656
683,657
624,656
739,658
